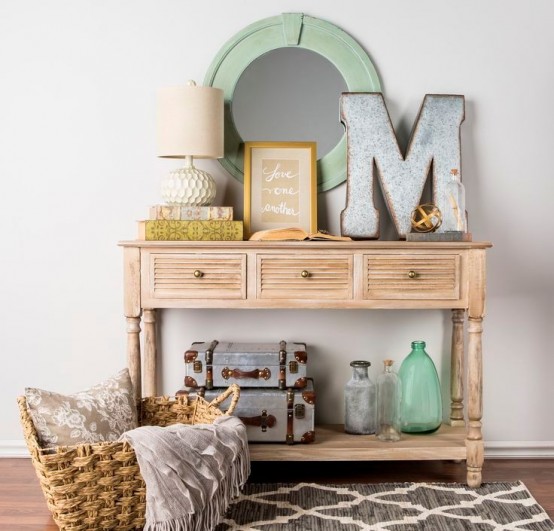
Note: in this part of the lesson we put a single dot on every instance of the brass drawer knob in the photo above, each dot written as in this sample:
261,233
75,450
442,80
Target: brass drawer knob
198,274
305,274
412,274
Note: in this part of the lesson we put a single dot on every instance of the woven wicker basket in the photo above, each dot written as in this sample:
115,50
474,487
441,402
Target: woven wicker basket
99,486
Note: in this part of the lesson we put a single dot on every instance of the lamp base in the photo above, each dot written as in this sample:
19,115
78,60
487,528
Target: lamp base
188,186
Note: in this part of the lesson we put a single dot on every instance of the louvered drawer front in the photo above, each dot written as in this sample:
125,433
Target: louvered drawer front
198,276
323,277
403,277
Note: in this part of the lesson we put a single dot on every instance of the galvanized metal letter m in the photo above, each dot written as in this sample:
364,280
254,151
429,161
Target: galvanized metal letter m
435,143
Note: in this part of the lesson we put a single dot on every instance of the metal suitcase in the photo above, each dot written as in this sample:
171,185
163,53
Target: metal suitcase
274,415
219,364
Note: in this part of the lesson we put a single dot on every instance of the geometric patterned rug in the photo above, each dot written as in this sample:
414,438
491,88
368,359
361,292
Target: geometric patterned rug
386,506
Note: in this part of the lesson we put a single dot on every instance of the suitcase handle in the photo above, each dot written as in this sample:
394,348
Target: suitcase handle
261,421
238,374
234,390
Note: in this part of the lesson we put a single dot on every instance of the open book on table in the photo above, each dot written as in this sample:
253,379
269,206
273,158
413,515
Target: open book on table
295,234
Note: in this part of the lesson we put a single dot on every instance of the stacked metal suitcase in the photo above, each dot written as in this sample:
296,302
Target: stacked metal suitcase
277,398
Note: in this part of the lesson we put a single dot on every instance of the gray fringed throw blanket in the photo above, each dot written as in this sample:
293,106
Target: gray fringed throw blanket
191,472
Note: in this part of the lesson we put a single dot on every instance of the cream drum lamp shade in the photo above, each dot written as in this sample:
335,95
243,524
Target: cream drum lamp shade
190,125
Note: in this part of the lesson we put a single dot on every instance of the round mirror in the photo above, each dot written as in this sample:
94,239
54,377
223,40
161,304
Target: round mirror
299,32
290,86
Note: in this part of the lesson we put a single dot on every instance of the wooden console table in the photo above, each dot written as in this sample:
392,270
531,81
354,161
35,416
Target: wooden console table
349,275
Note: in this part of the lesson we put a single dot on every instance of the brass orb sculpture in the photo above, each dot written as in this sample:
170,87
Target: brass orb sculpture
426,218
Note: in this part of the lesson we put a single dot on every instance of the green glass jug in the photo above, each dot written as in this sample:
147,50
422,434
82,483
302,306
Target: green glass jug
421,404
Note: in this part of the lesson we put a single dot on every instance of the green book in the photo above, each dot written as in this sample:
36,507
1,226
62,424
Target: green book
181,230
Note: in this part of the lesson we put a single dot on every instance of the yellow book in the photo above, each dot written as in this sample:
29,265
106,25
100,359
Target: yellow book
295,234
180,230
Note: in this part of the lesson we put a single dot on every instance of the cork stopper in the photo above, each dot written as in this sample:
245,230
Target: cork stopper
388,363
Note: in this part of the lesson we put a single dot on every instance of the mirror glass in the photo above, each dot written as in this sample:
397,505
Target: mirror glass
281,79
290,94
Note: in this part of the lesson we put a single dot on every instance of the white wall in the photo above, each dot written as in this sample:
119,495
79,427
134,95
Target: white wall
78,167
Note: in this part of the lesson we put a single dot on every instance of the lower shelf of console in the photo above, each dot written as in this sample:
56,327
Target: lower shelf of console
332,444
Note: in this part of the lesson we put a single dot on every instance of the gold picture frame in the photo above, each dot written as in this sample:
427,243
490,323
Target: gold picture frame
280,186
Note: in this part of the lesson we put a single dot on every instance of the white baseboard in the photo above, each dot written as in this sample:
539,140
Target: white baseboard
493,449
519,449
13,449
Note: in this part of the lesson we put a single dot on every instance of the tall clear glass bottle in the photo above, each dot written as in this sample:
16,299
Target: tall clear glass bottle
456,198
421,403
388,404
359,400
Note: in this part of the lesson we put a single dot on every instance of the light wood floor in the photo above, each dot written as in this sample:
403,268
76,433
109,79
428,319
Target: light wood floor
22,506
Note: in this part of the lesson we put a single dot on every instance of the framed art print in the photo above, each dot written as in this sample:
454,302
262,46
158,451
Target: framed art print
280,186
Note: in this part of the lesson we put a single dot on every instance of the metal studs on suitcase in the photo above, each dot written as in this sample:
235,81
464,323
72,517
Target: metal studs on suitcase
278,365
274,415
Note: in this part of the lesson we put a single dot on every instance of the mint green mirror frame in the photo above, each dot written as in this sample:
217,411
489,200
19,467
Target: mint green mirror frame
297,30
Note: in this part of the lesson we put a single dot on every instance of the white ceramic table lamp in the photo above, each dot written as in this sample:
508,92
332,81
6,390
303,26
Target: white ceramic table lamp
190,125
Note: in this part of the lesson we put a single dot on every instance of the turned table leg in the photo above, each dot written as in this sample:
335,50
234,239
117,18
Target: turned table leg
457,369
131,276
150,352
476,309
133,353
475,447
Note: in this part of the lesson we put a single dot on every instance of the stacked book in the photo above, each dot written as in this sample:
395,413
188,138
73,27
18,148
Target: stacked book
186,223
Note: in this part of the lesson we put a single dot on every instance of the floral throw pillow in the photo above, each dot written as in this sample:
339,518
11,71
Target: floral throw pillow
101,413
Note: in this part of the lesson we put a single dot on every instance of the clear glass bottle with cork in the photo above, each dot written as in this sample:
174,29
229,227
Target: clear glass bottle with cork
388,404
456,218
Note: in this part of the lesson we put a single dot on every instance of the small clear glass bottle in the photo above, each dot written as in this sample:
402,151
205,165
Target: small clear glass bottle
389,393
456,198
359,400
421,402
